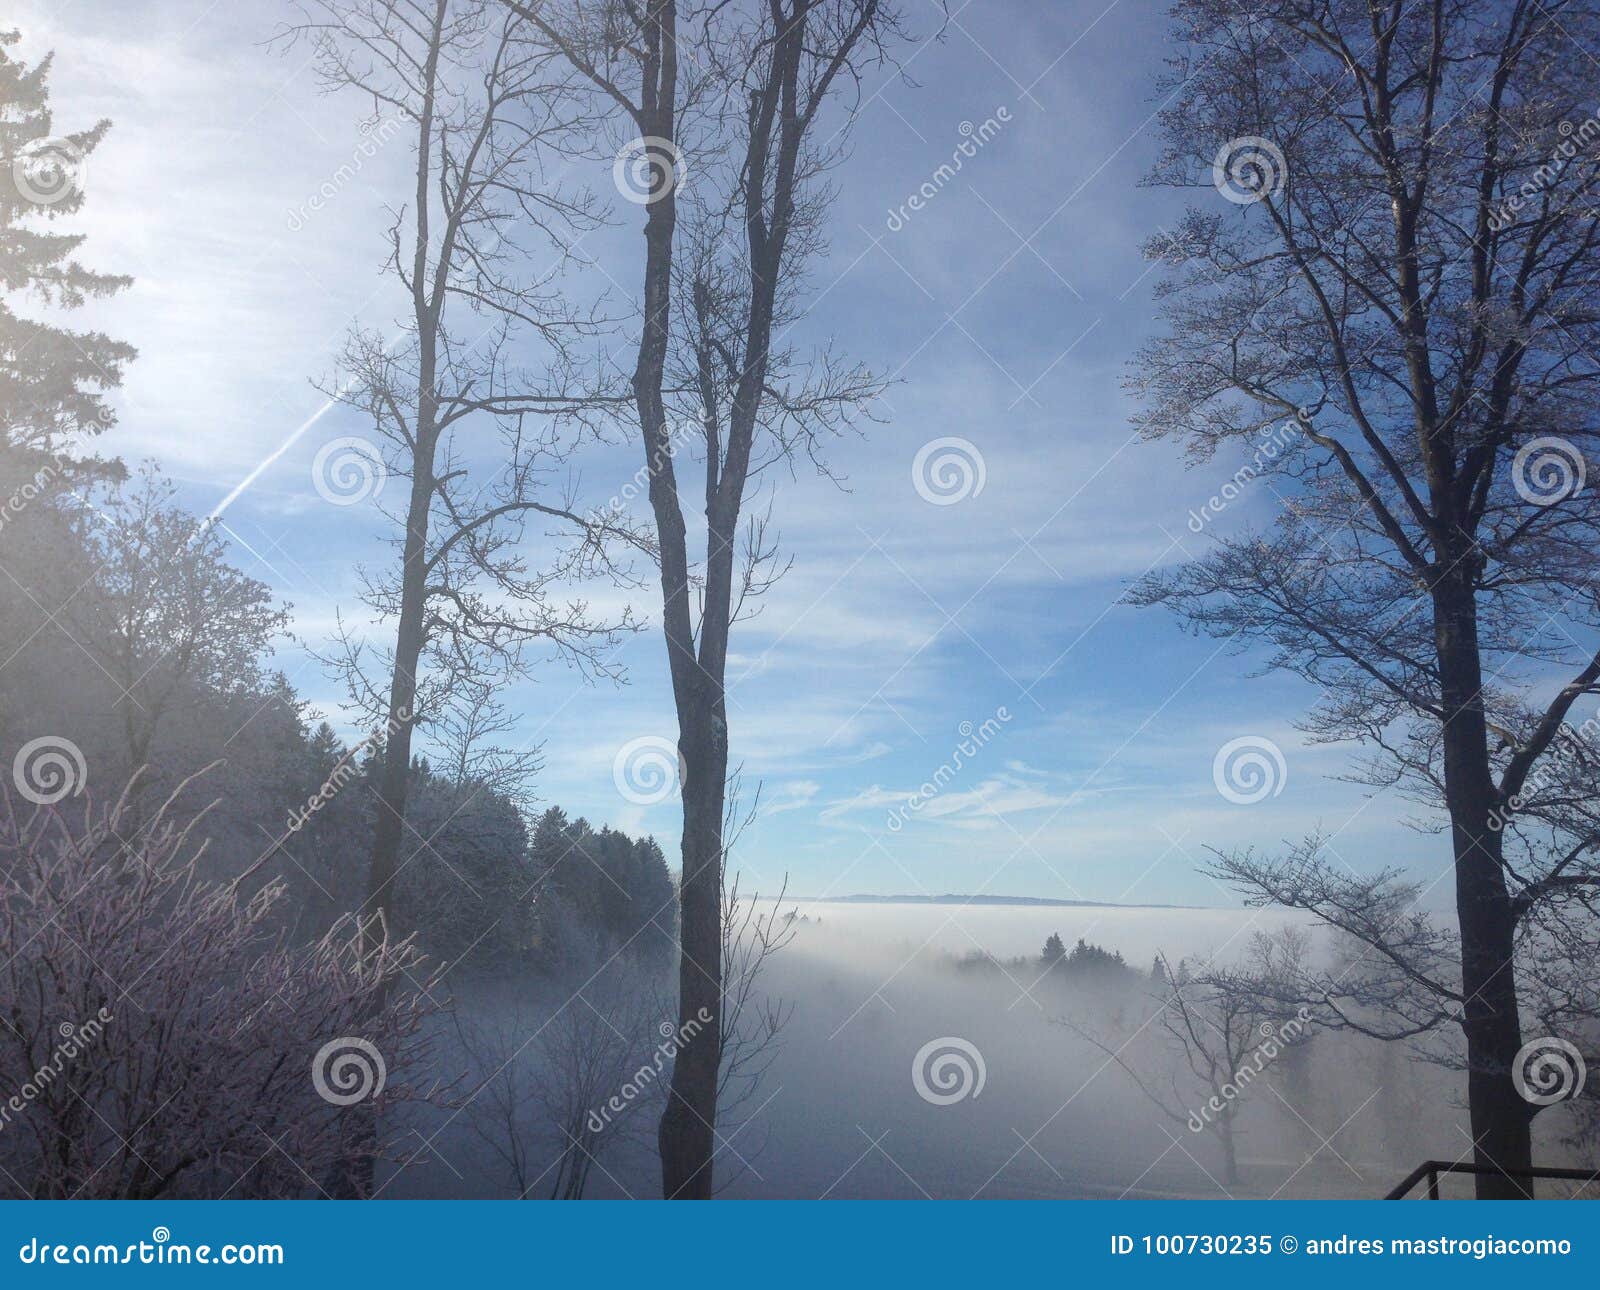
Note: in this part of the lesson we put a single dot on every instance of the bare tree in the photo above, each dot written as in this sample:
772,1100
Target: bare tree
467,730
584,1077
1396,258
732,95
1221,1027
1397,978
753,931
476,438
167,619
605,1054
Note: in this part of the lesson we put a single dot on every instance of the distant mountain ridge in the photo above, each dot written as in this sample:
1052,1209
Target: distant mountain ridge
951,899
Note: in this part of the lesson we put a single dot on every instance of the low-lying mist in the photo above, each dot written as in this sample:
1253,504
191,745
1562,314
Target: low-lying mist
923,1052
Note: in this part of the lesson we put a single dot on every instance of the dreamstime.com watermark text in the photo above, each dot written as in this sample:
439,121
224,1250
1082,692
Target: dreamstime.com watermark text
344,772
160,1250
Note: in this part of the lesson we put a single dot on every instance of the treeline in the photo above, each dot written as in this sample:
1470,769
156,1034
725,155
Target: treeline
134,645
1085,963
135,648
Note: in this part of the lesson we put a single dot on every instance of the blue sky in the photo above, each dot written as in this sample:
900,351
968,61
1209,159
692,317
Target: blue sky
1006,310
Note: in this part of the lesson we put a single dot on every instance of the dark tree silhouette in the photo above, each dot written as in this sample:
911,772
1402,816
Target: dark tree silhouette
754,81
1396,257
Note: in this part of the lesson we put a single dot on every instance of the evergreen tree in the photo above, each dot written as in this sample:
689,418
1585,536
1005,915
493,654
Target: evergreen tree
53,381
1094,962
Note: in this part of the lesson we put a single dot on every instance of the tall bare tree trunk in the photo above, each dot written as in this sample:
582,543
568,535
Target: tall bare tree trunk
776,103
687,1134
465,77
395,779
1230,1150
395,776
1500,1118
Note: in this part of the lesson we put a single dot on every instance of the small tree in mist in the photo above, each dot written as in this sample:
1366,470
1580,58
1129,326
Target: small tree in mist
561,1092
1395,258
733,95
752,1018
1215,1031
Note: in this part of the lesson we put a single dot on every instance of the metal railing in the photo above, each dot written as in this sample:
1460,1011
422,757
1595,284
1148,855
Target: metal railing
1431,1169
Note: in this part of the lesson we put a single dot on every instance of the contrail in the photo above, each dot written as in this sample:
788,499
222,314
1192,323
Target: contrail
216,511
336,397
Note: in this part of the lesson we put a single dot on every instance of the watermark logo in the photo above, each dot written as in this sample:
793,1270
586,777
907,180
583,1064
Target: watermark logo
160,1250
348,471
1548,470
647,770
949,470
49,170
1548,1070
348,1070
48,769
1249,769
648,169
948,1070
1248,169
